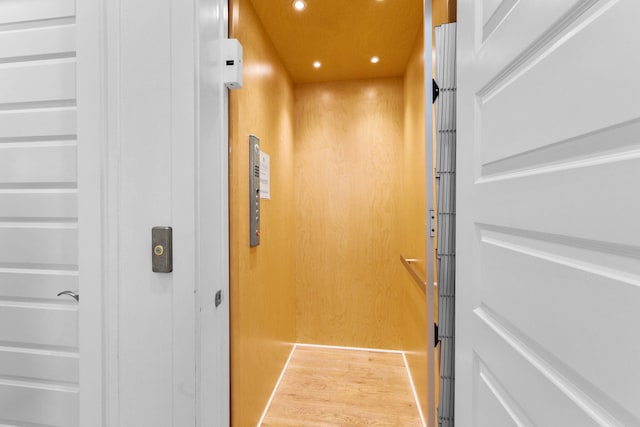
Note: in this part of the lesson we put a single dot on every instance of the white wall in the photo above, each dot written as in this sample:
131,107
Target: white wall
212,220
166,113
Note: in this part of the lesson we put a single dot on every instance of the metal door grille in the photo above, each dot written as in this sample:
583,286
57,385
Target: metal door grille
446,209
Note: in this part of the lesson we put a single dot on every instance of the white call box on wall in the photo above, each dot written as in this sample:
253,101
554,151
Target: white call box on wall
232,63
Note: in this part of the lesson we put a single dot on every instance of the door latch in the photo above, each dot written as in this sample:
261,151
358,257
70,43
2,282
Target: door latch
431,223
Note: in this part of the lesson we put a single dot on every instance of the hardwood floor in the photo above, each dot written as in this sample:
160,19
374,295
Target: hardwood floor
327,386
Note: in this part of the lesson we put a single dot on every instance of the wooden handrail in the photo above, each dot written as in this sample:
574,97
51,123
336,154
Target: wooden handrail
412,271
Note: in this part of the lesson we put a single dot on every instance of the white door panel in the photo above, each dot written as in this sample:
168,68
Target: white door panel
54,40
39,203
38,162
492,411
572,153
46,123
584,105
38,81
57,404
12,11
488,9
44,324
528,387
495,42
548,243
516,273
36,283
51,365
546,193
39,246
39,356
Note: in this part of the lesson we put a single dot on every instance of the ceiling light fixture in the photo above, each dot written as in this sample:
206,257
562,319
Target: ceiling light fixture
299,5
375,59
317,64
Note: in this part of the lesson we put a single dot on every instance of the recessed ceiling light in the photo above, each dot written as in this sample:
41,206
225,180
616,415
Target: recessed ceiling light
375,59
317,64
299,5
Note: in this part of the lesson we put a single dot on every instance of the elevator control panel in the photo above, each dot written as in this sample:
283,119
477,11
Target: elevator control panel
254,191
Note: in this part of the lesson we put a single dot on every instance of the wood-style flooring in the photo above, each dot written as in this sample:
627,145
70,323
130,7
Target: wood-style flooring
328,386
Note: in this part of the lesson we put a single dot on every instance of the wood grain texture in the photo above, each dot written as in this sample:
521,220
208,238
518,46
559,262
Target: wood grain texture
413,230
347,178
413,209
343,35
262,282
443,12
336,387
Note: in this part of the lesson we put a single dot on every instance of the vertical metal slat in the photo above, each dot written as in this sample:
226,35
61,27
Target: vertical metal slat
445,174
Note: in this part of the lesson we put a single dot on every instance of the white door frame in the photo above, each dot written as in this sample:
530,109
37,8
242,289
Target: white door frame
212,223
92,161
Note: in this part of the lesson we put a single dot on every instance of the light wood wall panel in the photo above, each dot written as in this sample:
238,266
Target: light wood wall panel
348,145
262,278
413,230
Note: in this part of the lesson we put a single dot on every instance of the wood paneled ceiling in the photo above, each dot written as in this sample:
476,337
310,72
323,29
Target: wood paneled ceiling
343,35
